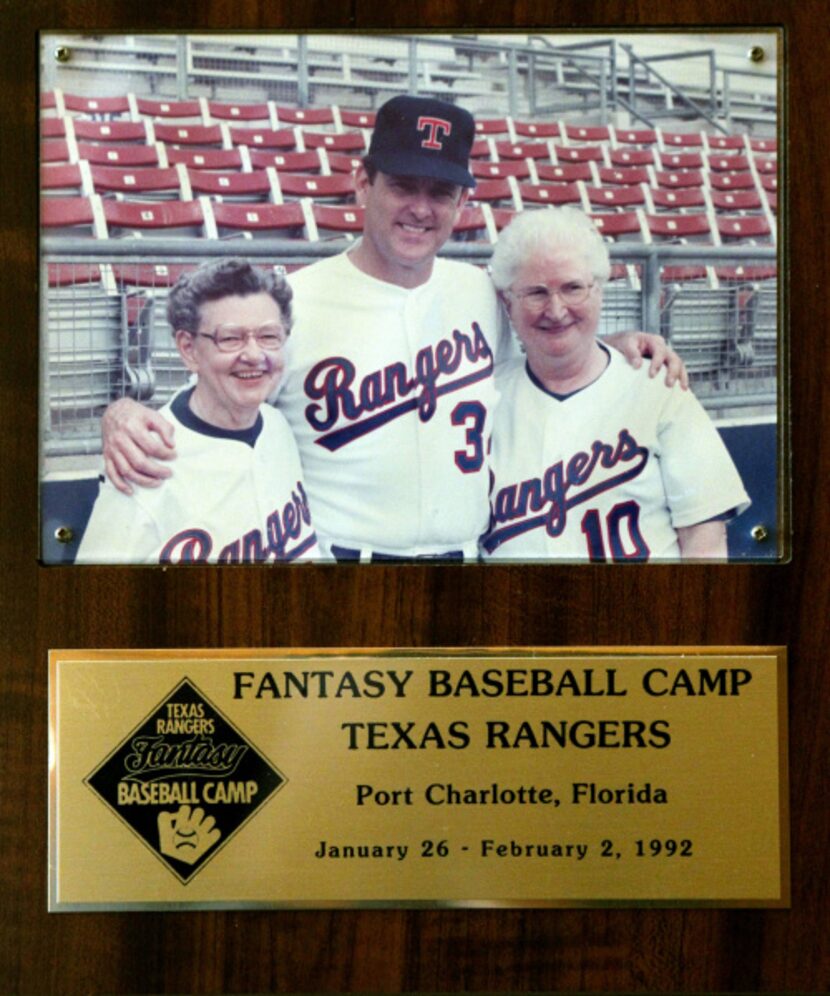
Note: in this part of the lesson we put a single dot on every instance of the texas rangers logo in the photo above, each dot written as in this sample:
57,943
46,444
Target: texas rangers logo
544,502
435,127
383,395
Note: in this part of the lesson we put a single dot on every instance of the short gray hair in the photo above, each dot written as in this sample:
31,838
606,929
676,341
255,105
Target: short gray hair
220,278
542,229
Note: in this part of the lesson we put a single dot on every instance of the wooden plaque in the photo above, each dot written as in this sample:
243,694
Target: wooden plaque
417,606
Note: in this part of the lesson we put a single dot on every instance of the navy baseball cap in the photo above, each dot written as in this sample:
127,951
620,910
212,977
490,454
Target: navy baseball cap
421,136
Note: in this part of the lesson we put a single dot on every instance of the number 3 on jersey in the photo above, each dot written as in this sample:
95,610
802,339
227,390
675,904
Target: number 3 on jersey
472,416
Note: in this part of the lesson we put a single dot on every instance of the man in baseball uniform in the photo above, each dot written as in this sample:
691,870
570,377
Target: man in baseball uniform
237,495
391,383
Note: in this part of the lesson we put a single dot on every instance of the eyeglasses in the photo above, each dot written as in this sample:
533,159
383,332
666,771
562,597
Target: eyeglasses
536,299
232,338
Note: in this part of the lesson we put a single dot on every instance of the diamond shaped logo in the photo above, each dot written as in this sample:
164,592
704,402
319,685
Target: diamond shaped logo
185,781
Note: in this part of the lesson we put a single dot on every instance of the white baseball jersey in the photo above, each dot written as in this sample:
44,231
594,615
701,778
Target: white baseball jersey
390,394
607,473
235,497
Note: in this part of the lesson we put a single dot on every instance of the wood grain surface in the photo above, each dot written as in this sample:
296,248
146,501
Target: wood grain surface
654,950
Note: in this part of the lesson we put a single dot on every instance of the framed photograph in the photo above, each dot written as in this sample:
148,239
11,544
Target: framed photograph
447,390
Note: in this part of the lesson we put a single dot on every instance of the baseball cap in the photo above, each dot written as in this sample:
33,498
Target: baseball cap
421,136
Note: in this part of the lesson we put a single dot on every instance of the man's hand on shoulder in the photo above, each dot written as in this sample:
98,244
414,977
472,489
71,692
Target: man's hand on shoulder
635,345
135,438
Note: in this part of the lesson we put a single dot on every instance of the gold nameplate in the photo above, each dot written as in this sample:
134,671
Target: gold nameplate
248,778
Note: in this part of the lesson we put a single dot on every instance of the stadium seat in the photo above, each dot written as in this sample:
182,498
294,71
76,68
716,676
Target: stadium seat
74,216
692,140
340,162
676,200
259,185
671,180
728,164
692,227
499,191
580,153
348,141
624,226
763,145
736,200
204,136
636,136
357,119
631,157
495,126
565,172
54,150
264,138
522,150
766,164
148,183
179,110
52,128
680,160
123,155
214,159
726,142
550,193
732,181
519,168
165,218
248,221
625,176
475,223
336,187
314,116
98,106
335,221
538,129
311,162
592,134
615,197
749,228
65,179
110,132
482,149
236,112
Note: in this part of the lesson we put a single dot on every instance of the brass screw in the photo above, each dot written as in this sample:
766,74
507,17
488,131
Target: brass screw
760,533
64,534
62,53
756,54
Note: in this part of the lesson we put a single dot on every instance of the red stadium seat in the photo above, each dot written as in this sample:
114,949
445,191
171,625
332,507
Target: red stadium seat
52,128
682,227
65,179
616,197
565,172
636,136
475,221
338,186
187,134
357,119
763,144
726,142
549,193
306,116
678,180
340,162
736,200
618,226
745,228
348,141
242,112
481,149
140,184
490,171
538,129
766,164
626,177
677,200
110,131
769,182
261,219
74,215
580,153
312,161
675,139
335,220
494,126
185,218
260,185
178,109
522,150
732,181
264,138
97,105
54,150
219,159
587,133
680,160
121,155
631,157
495,191
728,164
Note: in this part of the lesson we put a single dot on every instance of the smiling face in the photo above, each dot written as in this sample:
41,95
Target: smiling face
557,335
232,386
407,220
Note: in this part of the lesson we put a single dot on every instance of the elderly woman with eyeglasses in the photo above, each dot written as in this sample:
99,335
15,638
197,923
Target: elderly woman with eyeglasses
236,494
592,459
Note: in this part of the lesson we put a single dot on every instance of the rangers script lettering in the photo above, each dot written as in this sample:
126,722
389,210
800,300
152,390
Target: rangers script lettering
515,501
331,381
